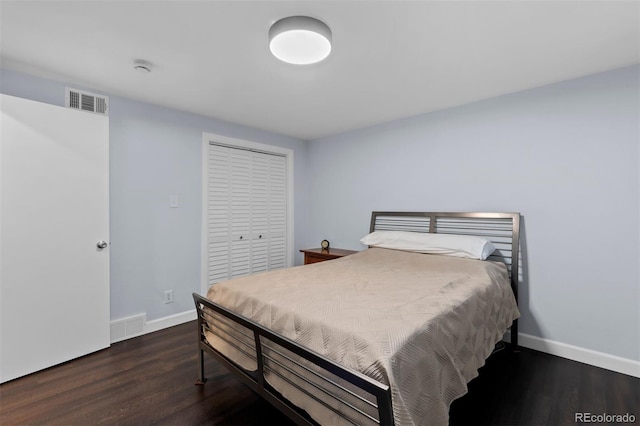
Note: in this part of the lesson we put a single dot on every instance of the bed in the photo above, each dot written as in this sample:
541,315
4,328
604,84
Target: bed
383,336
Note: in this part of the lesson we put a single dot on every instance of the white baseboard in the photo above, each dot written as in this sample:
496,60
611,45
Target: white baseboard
586,356
170,321
137,325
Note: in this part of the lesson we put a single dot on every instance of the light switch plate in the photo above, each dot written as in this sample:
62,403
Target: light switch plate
173,201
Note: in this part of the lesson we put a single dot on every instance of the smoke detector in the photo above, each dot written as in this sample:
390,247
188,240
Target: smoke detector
142,66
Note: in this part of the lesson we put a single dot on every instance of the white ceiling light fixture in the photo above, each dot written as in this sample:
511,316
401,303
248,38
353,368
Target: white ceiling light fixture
300,40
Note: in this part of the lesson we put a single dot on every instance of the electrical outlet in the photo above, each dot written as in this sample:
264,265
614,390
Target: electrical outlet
168,296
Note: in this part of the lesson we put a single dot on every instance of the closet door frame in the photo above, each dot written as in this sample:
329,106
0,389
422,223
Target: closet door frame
208,138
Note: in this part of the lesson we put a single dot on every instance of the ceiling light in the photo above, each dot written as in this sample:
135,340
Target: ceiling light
142,66
300,40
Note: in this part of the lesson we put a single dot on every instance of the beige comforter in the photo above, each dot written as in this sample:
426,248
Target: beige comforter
423,324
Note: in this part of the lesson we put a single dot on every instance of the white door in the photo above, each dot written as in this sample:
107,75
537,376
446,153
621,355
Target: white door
54,210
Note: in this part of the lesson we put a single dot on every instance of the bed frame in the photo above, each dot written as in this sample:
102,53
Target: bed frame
502,229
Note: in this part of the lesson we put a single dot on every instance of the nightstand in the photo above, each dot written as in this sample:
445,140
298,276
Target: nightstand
316,255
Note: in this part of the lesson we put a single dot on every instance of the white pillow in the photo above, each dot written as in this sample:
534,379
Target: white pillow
447,244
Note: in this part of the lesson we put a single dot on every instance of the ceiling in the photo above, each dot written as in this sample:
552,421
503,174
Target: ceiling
390,59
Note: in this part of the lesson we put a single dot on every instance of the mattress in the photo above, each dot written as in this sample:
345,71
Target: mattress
422,324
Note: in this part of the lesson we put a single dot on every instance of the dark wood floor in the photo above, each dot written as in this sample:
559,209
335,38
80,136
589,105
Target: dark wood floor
149,380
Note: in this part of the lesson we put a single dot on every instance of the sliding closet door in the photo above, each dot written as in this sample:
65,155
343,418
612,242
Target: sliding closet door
246,212
54,233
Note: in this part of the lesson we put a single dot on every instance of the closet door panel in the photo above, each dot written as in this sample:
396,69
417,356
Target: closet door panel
259,212
277,212
240,217
240,195
259,255
277,253
219,211
240,255
260,196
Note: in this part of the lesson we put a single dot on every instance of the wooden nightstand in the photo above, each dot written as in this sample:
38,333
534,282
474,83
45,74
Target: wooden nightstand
316,255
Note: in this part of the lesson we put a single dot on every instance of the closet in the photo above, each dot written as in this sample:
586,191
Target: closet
246,211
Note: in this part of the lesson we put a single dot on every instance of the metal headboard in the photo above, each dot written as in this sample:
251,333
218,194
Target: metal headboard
502,229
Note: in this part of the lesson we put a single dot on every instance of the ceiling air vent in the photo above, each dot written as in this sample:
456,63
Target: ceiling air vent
86,101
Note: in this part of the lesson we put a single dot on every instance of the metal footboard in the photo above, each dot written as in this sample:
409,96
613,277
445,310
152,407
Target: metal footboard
273,355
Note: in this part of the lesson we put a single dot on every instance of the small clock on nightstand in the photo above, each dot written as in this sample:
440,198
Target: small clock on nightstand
324,244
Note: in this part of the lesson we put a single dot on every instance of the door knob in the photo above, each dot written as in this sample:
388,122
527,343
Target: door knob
102,244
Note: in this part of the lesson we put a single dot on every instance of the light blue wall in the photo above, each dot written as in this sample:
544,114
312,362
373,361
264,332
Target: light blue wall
155,152
566,156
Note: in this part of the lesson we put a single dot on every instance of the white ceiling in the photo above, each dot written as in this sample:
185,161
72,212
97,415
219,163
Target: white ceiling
391,59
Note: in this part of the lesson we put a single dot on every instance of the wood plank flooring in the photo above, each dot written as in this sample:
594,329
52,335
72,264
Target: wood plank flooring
150,380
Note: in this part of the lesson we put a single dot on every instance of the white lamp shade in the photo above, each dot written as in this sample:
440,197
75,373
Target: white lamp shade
300,40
